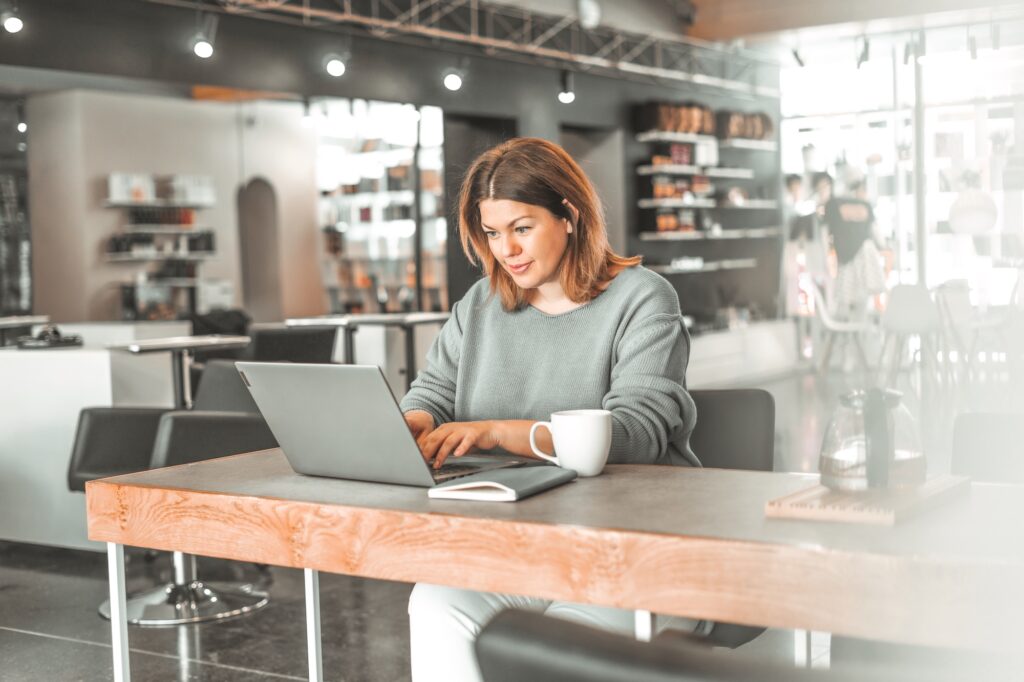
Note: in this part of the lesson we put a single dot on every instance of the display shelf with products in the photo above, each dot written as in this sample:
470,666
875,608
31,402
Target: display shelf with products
381,207
707,205
161,228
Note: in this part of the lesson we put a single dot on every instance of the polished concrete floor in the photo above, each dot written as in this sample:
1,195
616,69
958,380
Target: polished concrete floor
50,630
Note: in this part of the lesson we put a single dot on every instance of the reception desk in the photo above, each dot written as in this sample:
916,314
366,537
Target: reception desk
41,394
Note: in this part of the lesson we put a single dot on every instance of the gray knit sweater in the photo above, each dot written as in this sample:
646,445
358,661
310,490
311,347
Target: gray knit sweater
625,351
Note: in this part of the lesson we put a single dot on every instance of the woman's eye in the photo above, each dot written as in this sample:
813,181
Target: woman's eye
491,234
522,229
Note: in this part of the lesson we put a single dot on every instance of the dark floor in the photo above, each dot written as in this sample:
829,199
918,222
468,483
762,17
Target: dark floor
49,628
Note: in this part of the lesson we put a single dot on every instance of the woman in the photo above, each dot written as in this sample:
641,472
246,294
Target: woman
559,322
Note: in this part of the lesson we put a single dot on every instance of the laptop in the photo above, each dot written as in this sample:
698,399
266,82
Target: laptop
342,421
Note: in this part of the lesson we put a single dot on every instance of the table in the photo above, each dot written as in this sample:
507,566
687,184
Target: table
407,322
19,322
181,349
692,542
697,545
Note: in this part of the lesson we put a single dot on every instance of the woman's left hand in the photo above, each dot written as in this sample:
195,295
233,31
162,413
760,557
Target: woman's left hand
457,439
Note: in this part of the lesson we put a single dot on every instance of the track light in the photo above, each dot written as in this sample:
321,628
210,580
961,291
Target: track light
453,79
206,33
797,58
864,53
567,95
335,66
22,127
10,19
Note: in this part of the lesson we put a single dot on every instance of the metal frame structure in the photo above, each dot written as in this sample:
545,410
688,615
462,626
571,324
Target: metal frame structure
516,33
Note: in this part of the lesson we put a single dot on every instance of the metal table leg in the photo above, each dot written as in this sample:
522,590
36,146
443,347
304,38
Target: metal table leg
313,648
410,354
181,366
350,344
118,624
643,625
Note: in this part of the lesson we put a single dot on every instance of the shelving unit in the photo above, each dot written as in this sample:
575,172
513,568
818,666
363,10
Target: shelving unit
161,227
737,245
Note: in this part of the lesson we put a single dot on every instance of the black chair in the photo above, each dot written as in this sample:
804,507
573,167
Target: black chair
989,446
522,645
116,440
292,344
735,430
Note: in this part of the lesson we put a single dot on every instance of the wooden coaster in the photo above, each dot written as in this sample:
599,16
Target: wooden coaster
881,507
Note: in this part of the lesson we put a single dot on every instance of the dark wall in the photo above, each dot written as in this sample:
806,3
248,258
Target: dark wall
136,39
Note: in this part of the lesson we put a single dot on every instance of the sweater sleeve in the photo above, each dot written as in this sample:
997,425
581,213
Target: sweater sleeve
647,398
433,391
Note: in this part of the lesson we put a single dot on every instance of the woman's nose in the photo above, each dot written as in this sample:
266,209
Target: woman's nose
509,246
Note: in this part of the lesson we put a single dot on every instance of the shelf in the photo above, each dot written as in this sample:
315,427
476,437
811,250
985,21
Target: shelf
177,282
752,204
731,173
676,169
668,169
666,136
400,196
711,266
676,203
750,145
167,229
695,235
139,258
156,203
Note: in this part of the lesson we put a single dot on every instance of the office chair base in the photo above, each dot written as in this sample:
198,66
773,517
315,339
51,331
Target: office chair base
194,602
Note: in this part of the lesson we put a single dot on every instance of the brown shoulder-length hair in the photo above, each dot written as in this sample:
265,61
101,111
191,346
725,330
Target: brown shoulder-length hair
534,171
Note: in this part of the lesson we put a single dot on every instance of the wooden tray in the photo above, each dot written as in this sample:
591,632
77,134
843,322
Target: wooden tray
881,507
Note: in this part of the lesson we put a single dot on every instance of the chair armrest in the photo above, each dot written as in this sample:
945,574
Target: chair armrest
110,441
185,437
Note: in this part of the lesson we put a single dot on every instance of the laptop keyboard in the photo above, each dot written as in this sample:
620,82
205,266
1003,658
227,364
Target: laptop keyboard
455,470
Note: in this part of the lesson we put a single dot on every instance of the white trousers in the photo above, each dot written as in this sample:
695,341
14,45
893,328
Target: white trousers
445,621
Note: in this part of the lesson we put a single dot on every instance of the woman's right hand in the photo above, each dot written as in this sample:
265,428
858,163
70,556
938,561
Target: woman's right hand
420,423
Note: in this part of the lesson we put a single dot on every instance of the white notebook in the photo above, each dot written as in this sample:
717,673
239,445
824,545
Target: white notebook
503,485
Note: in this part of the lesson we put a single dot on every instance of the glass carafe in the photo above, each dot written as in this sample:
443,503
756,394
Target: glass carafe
871,442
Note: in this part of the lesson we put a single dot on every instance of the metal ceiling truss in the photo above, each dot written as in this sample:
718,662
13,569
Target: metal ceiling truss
505,31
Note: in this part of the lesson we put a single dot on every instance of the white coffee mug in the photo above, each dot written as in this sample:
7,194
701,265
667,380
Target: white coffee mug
582,440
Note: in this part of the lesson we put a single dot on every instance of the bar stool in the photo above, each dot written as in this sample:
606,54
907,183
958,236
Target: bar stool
113,440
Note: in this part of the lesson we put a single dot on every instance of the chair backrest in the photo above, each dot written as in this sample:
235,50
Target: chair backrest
222,390
821,308
293,344
520,645
911,310
735,428
989,446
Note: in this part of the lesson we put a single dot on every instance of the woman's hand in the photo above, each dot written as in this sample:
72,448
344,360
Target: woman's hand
456,439
420,423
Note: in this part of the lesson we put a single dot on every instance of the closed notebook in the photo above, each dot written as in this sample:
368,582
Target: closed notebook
503,485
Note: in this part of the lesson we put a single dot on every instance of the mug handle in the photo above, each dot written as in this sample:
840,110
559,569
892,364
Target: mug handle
533,443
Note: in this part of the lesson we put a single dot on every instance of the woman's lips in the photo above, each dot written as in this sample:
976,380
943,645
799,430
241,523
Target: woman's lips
518,269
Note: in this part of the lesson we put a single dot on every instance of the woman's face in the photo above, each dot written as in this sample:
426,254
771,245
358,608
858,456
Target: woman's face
527,241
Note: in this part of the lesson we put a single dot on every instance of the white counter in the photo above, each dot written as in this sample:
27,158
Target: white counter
42,393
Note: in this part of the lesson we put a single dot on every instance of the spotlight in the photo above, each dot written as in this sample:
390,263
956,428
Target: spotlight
335,66
797,58
202,43
453,80
567,95
22,127
864,53
11,21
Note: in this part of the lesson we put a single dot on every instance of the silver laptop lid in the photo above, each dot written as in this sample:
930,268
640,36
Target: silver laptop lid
337,420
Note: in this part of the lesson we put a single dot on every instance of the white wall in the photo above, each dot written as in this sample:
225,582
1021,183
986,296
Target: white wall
79,137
